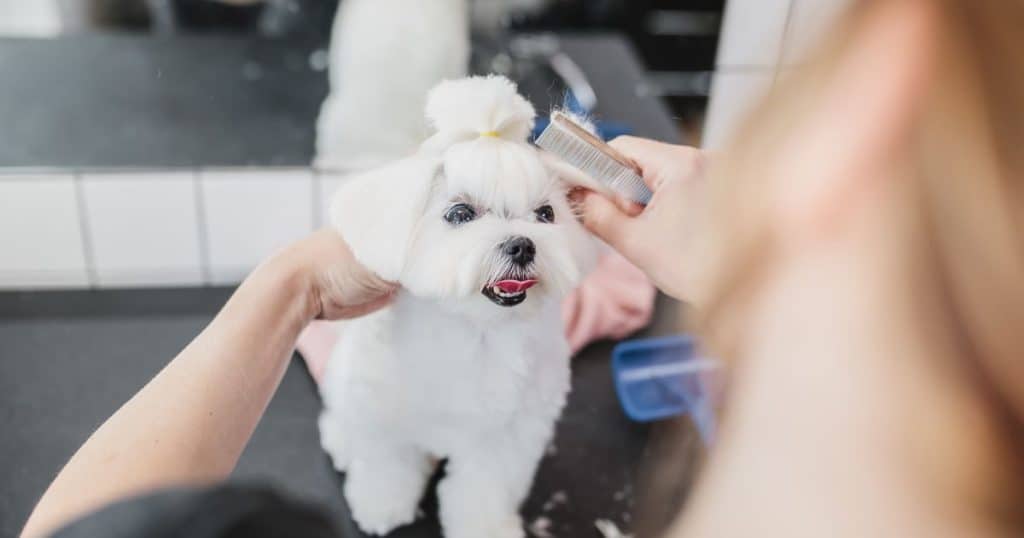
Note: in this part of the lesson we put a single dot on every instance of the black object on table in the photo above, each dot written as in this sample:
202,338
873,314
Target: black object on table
68,359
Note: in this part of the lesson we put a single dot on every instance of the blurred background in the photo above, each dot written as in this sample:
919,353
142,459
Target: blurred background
676,39
152,152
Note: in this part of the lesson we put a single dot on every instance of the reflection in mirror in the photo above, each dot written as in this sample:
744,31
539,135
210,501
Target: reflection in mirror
41,18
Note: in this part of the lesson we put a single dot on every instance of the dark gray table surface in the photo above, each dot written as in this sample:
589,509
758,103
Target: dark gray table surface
69,359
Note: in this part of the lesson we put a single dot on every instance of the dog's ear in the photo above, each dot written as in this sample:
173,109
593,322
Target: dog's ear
377,212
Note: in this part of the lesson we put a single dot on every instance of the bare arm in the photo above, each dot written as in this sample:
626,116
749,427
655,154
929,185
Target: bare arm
190,423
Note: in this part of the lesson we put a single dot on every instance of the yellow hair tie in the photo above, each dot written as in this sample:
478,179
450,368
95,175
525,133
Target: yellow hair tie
490,134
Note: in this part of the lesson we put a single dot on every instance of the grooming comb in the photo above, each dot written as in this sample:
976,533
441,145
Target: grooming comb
575,145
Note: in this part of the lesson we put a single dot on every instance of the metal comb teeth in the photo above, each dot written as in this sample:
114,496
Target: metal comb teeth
580,148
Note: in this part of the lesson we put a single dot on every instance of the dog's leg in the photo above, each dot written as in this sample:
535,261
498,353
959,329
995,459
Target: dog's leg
332,439
486,483
384,485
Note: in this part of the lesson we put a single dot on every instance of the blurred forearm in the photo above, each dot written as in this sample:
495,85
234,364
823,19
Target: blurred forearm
191,422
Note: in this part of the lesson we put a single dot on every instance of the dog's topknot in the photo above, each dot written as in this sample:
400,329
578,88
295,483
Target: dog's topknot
480,106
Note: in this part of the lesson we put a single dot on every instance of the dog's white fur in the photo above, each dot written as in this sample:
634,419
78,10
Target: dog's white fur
445,372
385,56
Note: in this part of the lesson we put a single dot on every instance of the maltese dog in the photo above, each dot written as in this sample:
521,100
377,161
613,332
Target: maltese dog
385,55
470,362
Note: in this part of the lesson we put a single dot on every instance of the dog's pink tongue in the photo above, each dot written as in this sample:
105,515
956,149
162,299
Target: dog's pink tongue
514,286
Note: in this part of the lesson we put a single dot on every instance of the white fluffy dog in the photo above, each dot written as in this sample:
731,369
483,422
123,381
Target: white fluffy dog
385,56
470,362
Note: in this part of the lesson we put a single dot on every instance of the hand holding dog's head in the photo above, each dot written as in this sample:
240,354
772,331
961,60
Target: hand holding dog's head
475,217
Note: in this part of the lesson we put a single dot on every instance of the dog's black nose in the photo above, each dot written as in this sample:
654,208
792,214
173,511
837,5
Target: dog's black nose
520,250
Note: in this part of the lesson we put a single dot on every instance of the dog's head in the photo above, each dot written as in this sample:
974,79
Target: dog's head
475,219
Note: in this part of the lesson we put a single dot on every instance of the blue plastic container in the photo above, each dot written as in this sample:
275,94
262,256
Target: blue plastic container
658,378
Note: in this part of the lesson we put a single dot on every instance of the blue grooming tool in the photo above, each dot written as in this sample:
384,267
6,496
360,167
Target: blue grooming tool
659,378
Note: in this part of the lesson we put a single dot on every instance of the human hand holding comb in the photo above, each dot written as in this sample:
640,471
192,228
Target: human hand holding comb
650,236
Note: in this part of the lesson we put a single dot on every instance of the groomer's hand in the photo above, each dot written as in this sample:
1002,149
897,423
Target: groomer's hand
656,238
339,287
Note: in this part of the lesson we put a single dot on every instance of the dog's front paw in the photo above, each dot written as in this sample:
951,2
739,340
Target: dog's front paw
380,516
386,496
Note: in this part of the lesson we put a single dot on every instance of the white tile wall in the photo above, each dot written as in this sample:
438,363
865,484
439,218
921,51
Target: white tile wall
250,214
41,244
808,22
143,228
752,33
733,95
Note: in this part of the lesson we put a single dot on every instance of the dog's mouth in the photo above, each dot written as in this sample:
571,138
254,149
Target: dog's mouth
508,292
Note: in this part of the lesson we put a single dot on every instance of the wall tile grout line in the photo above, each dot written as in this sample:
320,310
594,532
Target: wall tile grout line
85,229
316,191
201,223
787,29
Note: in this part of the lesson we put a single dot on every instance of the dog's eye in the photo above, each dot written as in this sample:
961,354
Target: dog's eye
459,214
545,213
